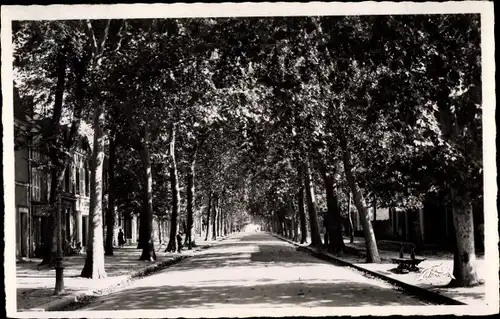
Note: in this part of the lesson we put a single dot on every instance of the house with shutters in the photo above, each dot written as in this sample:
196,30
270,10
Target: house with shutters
32,180
32,185
32,188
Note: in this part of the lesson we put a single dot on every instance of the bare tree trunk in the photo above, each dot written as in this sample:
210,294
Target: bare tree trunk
110,214
283,225
190,201
219,218
464,261
159,230
311,207
148,250
94,263
293,214
225,224
371,243
50,238
300,201
172,244
277,222
333,220
58,169
215,213
349,216
209,208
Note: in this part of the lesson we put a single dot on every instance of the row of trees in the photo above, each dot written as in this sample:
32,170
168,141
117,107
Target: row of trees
250,115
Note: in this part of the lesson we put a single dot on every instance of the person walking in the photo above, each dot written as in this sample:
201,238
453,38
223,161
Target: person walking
121,239
179,242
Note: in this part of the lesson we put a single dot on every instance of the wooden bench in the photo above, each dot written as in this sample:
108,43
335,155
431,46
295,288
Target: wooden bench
407,264
73,249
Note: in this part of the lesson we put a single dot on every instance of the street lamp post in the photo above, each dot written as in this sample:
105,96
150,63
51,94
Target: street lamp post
59,288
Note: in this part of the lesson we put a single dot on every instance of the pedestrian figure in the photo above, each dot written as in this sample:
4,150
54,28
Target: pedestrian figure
121,240
179,242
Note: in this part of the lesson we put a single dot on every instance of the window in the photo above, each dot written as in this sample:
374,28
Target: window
73,179
87,180
77,182
66,180
36,156
82,181
36,185
48,187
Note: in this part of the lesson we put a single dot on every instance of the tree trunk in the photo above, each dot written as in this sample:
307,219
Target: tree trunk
159,231
219,219
333,219
225,223
283,225
174,183
215,213
190,202
146,226
50,238
311,207
110,214
94,262
209,208
293,220
349,216
294,229
464,261
300,201
58,168
371,243
279,225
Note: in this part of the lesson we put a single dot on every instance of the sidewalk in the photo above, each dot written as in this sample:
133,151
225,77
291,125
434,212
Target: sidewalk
440,262
435,281
35,285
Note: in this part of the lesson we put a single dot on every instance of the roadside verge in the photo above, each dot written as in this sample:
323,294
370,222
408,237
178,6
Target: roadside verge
419,292
76,300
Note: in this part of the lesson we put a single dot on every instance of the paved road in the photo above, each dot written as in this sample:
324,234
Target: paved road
250,270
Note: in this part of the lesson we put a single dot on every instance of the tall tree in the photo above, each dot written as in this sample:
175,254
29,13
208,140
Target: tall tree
97,33
311,206
171,247
111,212
146,226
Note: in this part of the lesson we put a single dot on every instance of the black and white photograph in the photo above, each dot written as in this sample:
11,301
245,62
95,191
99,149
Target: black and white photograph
249,160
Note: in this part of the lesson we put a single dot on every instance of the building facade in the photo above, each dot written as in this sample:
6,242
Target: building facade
22,194
429,226
74,198
33,183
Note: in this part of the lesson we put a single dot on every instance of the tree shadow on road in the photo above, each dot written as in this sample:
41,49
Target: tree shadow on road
231,255
298,294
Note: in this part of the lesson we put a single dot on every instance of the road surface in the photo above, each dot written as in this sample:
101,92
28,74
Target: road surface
253,270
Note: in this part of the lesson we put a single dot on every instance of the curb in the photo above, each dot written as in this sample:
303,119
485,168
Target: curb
66,301
428,295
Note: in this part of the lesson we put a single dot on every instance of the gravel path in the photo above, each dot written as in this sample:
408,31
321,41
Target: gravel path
251,270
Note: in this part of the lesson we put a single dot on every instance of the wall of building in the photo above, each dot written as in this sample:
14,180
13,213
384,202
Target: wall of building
21,165
22,203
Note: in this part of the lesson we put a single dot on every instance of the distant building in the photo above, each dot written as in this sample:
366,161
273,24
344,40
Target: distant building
33,183
23,123
431,226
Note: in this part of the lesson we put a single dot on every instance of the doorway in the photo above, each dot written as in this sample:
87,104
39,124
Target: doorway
24,232
85,223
